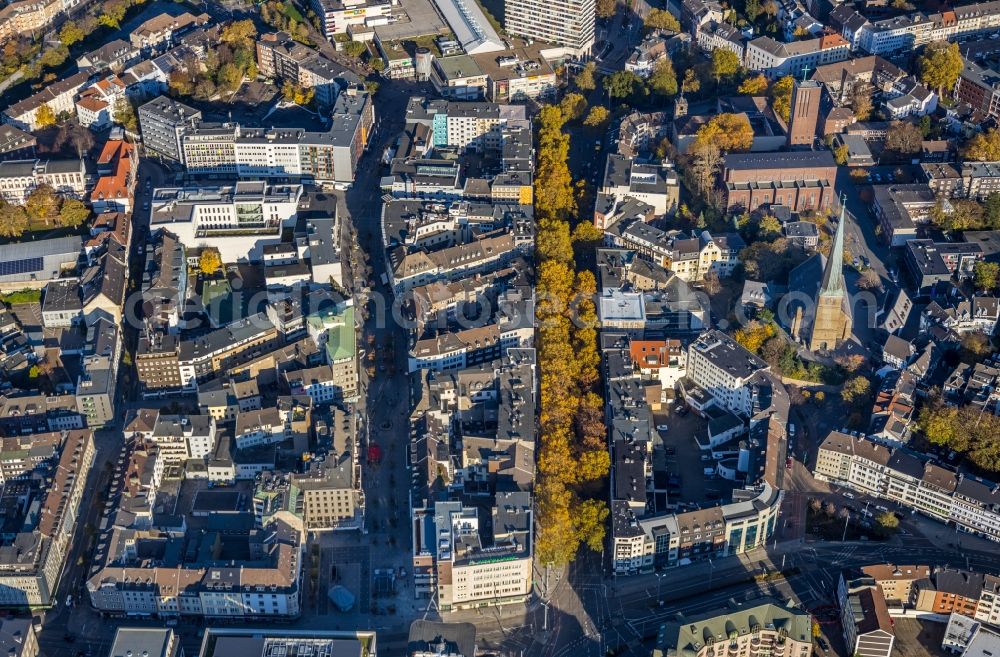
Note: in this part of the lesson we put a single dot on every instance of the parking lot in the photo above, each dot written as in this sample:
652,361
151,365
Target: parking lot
676,453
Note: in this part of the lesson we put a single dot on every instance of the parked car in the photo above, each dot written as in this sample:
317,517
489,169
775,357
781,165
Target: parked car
706,457
882,508
662,427
849,495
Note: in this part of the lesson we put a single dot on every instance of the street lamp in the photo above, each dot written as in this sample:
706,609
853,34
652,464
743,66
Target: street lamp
659,581
711,573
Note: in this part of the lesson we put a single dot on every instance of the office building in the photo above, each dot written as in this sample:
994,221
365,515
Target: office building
238,220
568,23
163,122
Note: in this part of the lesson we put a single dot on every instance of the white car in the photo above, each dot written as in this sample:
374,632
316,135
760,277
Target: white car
849,495
662,427
883,509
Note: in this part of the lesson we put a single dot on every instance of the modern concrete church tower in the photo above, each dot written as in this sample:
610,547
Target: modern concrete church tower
832,320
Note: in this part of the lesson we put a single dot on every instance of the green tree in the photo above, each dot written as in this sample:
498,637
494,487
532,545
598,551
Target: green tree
573,106
730,132
71,33
598,115
591,519
768,228
940,65
209,262
903,138
861,102
886,523
691,83
622,84
242,32
13,219
42,204
986,275
54,57
354,49
605,8
112,14
229,77
73,213
377,64
725,64
753,86
841,154
125,115
44,116
663,79
752,10
984,147
661,19
781,97
856,390
991,208
585,79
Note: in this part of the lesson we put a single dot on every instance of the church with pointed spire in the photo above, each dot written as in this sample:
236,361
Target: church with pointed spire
828,322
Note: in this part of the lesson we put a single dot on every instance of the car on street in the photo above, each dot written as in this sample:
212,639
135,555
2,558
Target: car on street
788,463
822,643
882,508
848,494
662,427
681,411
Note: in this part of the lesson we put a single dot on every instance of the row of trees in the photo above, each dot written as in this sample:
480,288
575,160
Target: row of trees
573,457
43,208
224,68
967,430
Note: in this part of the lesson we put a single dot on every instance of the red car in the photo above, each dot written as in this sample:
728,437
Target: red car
788,463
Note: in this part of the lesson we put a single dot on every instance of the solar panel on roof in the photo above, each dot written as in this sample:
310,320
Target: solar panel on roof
21,266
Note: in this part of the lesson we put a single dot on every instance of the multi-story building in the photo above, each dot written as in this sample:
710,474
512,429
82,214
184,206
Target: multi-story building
282,58
59,97
689,256
720,366
202,357
238,220
329,493
18,178
33,558
899,209
864,615
464,126
263,587
966,502
16,144
146,641
180,437
338,15
767,625
159,32
157,364
975,180
799,180
470,571
568,23
654,184
21,456
931,262
225,642
163,122
24,17
915,29
776,59
97,384
331,157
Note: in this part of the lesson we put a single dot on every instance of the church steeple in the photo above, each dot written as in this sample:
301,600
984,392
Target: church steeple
833,275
